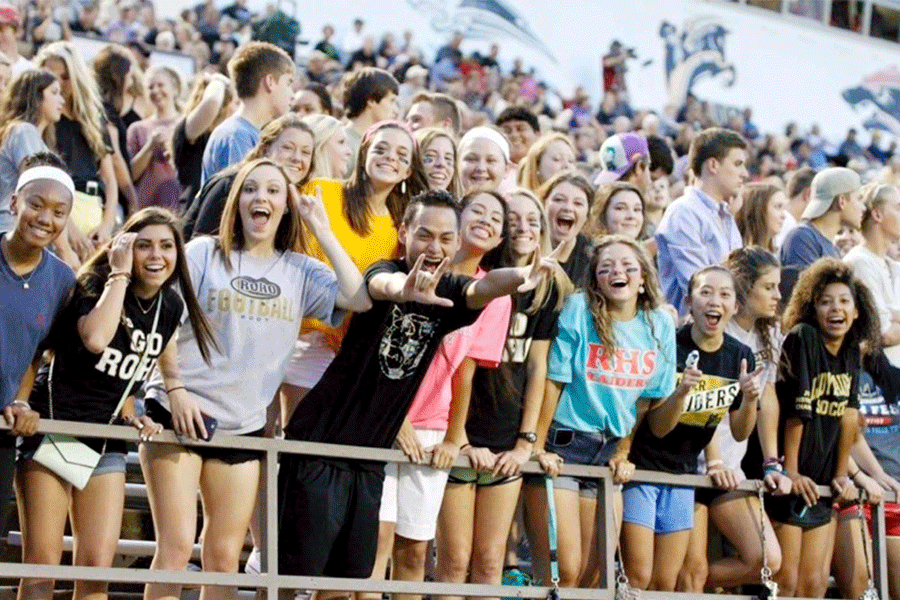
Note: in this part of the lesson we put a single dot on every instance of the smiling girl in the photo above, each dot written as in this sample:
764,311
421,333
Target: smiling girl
618,208
364,213
549,155
762,214
439,159
124,312
756,274
831,318
286,140
255,291
483,158
31,107
150,142
593,395
567,196
658,518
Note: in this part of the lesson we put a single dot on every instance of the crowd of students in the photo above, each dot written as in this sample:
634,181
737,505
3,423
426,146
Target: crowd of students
451,285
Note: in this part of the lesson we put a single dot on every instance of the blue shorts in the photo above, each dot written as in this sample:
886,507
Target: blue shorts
661,507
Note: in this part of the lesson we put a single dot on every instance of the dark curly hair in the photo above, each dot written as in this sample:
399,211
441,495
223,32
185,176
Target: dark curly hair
865,330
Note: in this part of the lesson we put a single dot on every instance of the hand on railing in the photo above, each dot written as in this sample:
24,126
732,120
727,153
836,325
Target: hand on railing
874,491
622,469
409,443
21,418
777,483
804,487
444,455
722,476
844,490
482,459
509,463
550,462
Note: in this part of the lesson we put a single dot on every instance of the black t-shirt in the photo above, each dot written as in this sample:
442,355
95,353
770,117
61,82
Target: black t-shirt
717,392
816,388
205,212
495,409
77,154
366,392
188,159
577,267
86,386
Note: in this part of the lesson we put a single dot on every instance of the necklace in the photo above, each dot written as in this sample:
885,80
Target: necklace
149,308
25,281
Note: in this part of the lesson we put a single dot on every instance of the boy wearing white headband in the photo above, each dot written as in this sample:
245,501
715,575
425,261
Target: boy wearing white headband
34,287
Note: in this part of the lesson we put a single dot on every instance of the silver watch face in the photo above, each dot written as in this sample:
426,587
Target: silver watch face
528,436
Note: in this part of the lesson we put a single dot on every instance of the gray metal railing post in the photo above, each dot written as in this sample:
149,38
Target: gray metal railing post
606,534
269,521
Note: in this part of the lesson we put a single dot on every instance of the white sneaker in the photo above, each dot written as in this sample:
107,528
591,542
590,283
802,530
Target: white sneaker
254,563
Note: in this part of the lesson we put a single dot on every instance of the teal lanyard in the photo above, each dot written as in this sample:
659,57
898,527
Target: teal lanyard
551,532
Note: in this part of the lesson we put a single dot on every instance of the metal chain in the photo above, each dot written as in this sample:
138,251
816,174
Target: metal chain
765,573
870,592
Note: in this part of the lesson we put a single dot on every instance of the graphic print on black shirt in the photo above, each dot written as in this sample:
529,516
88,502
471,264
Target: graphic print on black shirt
717,392
364,395
817,388
403,342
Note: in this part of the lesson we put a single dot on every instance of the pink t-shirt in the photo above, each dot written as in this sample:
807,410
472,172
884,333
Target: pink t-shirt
482,341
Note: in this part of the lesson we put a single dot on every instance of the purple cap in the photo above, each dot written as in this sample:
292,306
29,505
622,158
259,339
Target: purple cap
619,153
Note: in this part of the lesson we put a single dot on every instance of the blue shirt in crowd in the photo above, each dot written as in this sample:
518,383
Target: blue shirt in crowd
601,391
228,144
696,231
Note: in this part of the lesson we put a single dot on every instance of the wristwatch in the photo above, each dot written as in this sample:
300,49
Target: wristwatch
528,436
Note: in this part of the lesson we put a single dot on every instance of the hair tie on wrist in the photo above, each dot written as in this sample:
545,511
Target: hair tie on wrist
177,387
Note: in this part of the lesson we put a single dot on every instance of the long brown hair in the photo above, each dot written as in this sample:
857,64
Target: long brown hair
747,265
596,222
231,231
21,103
751,218
93,273
429,134
502,256
359,188
650,298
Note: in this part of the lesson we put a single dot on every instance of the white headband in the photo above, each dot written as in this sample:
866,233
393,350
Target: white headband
46,172
485,133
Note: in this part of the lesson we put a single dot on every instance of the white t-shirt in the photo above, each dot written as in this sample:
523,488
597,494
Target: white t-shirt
882,276
789,223
255,311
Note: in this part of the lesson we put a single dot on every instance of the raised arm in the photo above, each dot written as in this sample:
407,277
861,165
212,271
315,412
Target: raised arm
98,327
204,114
352,293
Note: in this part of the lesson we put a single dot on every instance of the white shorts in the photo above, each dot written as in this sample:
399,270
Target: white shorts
412,494
311,357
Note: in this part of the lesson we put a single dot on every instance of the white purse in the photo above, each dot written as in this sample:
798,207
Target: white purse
68,457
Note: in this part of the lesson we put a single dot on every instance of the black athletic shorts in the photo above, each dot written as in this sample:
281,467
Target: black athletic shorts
231,456
328,518
792,510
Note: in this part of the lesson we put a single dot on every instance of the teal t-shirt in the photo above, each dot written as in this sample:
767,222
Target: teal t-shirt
601,390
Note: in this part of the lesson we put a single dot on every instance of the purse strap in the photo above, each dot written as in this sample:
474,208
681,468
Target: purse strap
133,374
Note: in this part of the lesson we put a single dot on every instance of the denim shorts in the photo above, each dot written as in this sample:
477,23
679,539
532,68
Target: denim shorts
577,448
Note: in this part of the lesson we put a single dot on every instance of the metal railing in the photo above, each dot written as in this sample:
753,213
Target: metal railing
271,582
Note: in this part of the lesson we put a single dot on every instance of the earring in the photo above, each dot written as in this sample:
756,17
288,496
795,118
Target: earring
641,290
403,187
